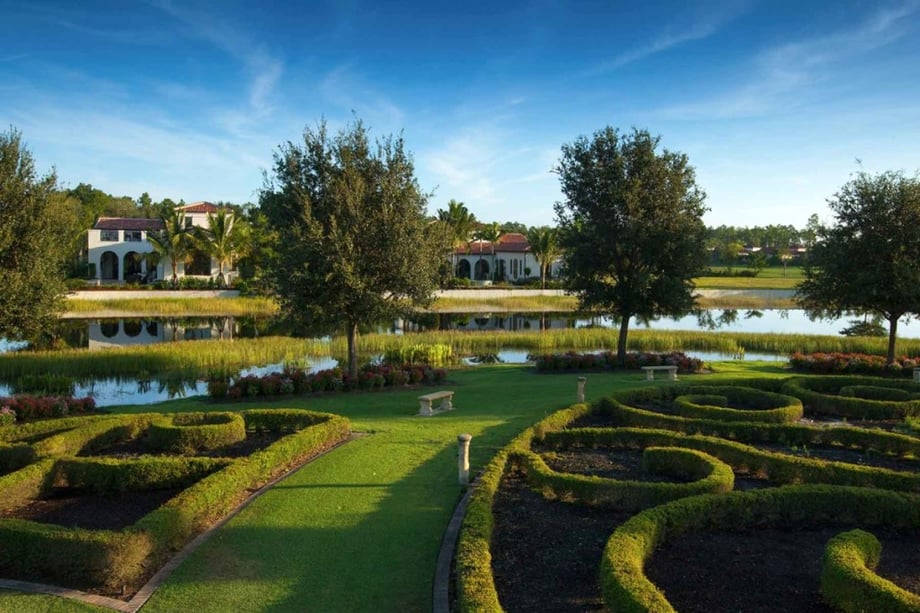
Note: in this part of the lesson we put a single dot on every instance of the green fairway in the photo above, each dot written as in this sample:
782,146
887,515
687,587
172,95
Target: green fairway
360,528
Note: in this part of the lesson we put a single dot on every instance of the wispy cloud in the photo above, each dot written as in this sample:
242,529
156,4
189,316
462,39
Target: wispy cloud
707,20
263,69
346,89
787,74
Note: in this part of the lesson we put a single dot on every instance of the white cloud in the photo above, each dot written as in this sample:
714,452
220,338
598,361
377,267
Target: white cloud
787,75
710,18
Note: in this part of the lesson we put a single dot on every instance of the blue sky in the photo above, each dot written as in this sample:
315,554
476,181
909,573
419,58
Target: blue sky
773,101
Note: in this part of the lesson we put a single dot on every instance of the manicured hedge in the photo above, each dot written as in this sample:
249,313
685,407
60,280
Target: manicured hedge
777,467
189,433
710,476
735,403
625,587
115,559
848,580
108,475
622,413
821,395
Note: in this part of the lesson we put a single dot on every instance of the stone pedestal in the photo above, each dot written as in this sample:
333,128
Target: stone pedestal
581,388
463,458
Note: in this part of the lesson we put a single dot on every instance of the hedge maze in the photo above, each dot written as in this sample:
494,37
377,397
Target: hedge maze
191,469
785,455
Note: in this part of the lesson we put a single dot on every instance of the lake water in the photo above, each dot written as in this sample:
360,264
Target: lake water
102,334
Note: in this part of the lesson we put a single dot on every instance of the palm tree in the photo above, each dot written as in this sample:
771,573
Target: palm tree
544,245
492,233
225,238
172,242
460,221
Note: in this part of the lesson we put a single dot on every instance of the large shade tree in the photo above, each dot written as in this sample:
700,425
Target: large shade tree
868,260
630,227
35,224
355,246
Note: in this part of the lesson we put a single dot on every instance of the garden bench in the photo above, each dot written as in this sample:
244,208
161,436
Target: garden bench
426,401
650,372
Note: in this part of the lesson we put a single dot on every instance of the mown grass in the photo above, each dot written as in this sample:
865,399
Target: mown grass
172,307
360,528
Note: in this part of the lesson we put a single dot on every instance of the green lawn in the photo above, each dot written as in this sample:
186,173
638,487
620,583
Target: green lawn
360,528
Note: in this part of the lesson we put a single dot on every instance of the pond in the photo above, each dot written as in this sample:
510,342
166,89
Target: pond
98,334
105,333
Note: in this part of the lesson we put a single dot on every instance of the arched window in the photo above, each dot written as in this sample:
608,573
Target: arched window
132,267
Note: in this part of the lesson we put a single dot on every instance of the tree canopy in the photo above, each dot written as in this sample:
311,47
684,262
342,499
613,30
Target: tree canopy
35,222
868,261
630,227
355,246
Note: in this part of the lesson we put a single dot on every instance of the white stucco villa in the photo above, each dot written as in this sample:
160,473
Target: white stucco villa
118,245
511,260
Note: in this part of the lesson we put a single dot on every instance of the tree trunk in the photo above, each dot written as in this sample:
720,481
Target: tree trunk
542,276
621,342
352,333
892,336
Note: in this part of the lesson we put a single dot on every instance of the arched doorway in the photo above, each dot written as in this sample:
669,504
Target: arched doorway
108,265
482,270
464,270
132,267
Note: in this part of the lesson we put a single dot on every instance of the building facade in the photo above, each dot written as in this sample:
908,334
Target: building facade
120,252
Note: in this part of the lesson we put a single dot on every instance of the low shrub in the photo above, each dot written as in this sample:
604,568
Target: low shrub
191,432
28,408
737,403
848,582
851,363
624,584
295,381
710,475
821,395
607,360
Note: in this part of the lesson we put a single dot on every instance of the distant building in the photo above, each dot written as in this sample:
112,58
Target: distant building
118,248
512,260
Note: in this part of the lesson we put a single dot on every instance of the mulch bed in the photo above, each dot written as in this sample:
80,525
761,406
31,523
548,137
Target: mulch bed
546,554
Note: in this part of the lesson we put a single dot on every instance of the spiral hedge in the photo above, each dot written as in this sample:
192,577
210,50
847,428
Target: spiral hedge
707,432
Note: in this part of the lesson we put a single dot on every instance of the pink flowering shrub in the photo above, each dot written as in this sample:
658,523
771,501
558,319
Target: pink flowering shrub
296,381
607,360
851,363
28,408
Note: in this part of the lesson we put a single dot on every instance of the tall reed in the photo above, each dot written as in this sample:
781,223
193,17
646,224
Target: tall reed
165,307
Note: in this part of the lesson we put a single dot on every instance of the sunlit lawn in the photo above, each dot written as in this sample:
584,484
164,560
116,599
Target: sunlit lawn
360,528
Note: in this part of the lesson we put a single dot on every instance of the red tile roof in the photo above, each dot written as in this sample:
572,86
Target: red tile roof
513,242
128,223
199,207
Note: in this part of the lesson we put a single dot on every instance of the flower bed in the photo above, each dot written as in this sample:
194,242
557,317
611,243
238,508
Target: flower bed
18,409
851,363
298,382
607,360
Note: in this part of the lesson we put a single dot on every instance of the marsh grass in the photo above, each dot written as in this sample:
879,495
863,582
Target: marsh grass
173,307
190,359
522,304
204,358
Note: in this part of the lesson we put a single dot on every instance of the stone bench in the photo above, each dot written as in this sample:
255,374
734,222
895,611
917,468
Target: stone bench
425,403
650,372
